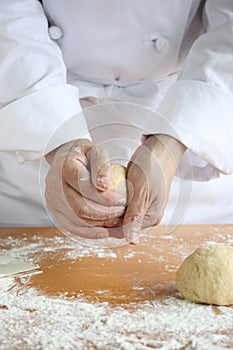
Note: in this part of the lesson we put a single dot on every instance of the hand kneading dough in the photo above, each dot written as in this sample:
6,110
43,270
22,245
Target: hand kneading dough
119,179
206,276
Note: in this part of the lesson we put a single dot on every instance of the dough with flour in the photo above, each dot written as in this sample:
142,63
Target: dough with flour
119,179
206,276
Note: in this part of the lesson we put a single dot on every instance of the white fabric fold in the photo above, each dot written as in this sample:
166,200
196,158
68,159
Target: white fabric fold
46,116
200,115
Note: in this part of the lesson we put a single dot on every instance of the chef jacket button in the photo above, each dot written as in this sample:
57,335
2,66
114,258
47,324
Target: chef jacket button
55,32
161,43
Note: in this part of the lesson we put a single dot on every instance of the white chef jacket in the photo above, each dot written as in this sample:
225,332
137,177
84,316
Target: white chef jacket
173,57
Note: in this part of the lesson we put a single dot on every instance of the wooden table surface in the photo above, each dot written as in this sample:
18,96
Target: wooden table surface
129,277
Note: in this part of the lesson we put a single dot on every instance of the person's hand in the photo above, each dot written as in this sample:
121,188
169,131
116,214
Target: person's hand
149,174
78,190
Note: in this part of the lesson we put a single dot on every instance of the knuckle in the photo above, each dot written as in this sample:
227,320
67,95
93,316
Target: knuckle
49,203
47,195
136,218
47,180
84,212
97,151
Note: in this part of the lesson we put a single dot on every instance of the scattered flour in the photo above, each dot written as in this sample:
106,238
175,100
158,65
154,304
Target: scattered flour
30,321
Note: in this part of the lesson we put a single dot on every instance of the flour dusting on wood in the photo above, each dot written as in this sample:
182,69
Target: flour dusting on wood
33,321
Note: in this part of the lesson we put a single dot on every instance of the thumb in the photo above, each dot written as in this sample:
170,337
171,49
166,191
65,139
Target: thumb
101,171
132,223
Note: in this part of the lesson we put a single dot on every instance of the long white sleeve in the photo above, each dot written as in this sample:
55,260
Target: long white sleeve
35,100
199,106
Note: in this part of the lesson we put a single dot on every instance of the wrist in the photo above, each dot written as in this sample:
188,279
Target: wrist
167,150
50,156
65,148
172,145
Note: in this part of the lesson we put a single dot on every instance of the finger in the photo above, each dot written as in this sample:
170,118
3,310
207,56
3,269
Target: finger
88,209
137,207
116,232
72,217
76,225
101,172
64,203
78,177
85,232
72,223
151,222
79,147
80,221
154,214
113,223
132,225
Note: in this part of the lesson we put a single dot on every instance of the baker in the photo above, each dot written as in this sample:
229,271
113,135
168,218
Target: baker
94,81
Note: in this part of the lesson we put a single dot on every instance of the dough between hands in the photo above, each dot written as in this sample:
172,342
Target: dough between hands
119,179
206,276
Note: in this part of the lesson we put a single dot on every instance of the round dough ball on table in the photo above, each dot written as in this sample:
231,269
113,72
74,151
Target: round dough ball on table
206,276
119,179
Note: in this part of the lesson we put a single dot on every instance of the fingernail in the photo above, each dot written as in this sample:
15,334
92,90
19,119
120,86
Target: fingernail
133,237
102,235
104,181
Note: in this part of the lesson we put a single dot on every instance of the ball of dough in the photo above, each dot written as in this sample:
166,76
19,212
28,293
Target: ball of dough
206,276
119,179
